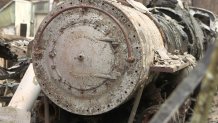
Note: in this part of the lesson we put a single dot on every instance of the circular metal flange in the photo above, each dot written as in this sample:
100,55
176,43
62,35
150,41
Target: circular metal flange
88,56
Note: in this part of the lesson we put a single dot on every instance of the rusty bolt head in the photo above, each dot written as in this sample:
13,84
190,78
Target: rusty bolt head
52,54
131,59
80,57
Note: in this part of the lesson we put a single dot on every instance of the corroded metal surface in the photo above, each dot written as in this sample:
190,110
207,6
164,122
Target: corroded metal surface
181,30
91,56
171,63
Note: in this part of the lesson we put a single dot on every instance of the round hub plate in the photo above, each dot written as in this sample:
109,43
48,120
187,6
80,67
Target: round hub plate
88,62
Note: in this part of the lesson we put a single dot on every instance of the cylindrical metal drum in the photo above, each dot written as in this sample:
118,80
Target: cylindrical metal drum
90,56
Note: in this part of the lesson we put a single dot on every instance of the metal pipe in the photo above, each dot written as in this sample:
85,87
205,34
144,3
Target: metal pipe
27,92
136,103
46,108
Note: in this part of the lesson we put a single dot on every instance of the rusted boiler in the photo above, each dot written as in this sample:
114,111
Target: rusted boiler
92,56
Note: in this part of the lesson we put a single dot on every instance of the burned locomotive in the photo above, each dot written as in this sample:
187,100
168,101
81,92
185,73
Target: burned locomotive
92,56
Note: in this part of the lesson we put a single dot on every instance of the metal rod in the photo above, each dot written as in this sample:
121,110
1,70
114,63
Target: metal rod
46,109
136,103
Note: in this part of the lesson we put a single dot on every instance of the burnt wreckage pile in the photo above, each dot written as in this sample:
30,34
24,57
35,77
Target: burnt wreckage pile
13,49
98,59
